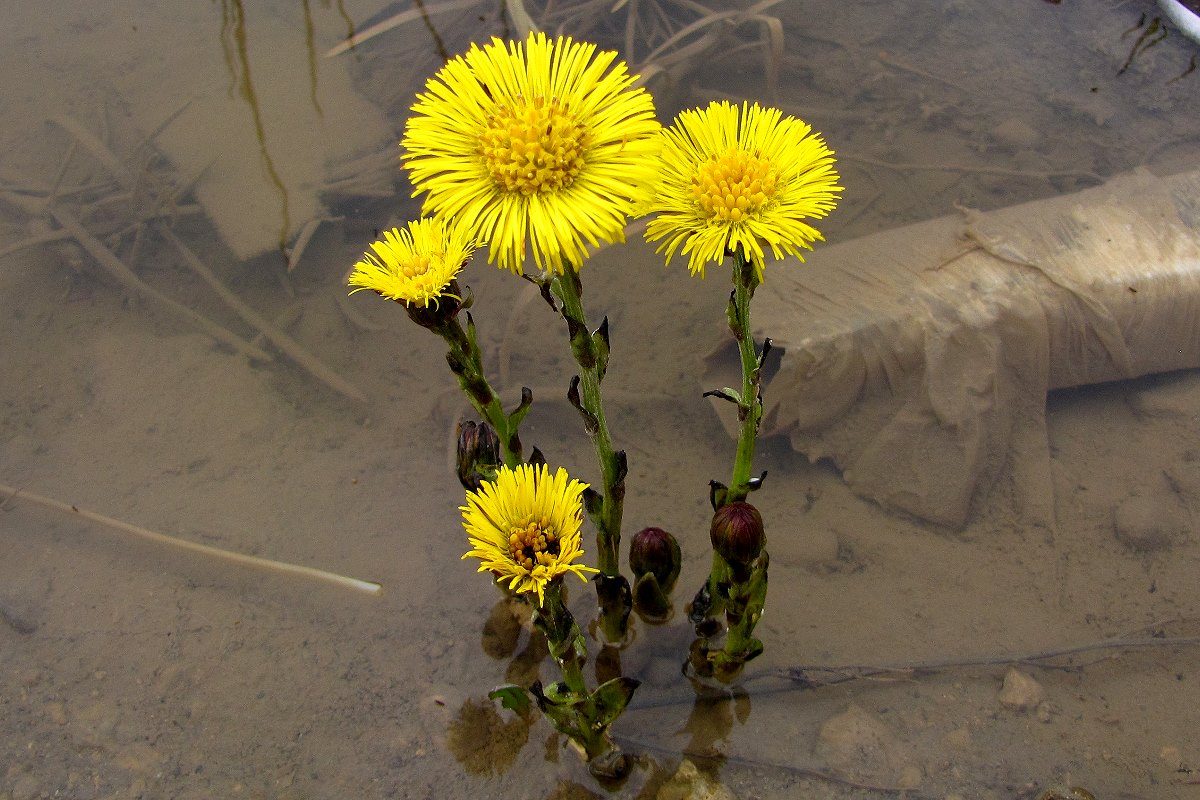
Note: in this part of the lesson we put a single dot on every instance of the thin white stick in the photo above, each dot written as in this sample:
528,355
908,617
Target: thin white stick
368,587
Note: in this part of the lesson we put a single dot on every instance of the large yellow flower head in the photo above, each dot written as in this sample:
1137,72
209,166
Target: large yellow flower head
524,527
415,266
539,145
733,179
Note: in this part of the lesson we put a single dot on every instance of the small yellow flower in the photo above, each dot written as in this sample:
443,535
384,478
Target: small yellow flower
540,145
415,266
732,180
524,527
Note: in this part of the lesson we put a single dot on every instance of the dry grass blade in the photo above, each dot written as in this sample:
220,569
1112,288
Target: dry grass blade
673,42
99,151
40,238
520,17
980,168
396,21
306,234
774,28
280,339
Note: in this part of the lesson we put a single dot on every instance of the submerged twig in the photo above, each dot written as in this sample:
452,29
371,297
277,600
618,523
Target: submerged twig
280,339
116,268
982,169
369,587
810,677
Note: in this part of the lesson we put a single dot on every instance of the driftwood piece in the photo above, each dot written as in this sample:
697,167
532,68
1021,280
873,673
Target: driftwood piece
918,359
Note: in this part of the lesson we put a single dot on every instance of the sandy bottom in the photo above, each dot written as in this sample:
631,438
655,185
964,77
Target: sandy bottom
131,669
128,669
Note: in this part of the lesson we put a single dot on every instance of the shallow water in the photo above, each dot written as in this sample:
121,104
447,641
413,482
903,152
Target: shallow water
128,669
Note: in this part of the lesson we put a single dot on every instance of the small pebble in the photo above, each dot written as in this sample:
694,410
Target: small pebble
57,713
1020,692
1171,756
1152,518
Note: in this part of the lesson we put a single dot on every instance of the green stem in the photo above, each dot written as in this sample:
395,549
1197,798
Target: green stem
745,281
563,637
591,353
466,361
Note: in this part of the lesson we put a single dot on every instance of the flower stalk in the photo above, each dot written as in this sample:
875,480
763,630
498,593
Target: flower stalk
749,403
742,592
583,716
417,266
580,714
709,601
604,508
466,362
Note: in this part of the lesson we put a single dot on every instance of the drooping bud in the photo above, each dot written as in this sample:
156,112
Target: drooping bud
737,533
655,559
478,454
654,551
437,315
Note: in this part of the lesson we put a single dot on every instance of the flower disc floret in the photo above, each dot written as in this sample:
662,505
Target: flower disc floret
524,527
542,145
736,179
414,266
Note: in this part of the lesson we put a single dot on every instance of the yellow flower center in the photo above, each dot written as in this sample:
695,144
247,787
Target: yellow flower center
734,185
533,146
415,265
533,543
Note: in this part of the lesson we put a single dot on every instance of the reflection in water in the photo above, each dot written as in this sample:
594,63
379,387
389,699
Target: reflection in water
711,722
608,663
341,9
237,60
438,44
310,50
1150,35
502,630
501,636
482,741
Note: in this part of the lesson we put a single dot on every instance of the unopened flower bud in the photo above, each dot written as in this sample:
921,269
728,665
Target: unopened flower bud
478,454
654,551
737,533
436,315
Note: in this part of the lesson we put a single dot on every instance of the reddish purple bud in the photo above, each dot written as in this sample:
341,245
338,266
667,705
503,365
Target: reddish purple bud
654,551
737,533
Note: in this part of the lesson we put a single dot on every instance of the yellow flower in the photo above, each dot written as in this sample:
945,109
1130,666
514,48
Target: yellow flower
524,526
538,145
414,266
732,180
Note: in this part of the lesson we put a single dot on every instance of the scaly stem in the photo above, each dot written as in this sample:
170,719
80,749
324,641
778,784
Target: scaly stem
710,601
745,281
466,361
591,353
582,716
563,637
